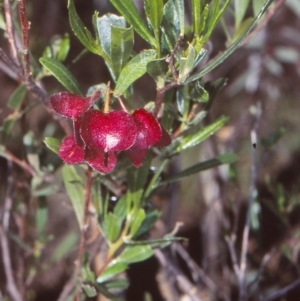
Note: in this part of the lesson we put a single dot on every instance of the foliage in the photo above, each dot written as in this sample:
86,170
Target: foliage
176,58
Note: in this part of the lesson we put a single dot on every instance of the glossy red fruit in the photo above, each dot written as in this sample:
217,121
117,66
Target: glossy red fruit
101,161
165,139
151,125
70,152
72,105
114,131
137,156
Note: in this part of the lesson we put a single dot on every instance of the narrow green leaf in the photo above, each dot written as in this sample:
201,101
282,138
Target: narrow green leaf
240,8
171,24
120,208
62,74
74,187
82,33
121,284
128,10
17,97
121,47
155,243
186,64
157,67
89,290
41,219
52,143
136,181
64,47
104,25
133,70
113,269
154,12
179,4
216,62
8,124
133,254
258,4
148,222
136,217
196,12
112,227
199,136
228,158
65,246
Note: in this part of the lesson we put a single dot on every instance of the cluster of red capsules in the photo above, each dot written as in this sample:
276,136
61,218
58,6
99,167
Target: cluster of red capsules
98,136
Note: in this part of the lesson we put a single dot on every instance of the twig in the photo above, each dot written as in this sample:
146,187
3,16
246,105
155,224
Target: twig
183,282
266,19
87,200
282,292
11,64
160,94
67,289
264,262
25,38
233,256
10,32
197,272
11,286
12,158
252,197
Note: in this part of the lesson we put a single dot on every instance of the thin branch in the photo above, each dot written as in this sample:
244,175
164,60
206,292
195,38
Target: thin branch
25,25
233,256
252,197
87,200
282,292
11,64
10,32
197,272
11,286
67,289
160,94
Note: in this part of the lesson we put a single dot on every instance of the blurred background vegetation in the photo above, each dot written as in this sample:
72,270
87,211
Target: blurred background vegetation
263,75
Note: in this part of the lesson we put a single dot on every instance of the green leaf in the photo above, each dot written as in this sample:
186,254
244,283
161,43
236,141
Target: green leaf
112,227
258,4
121,47
179,4
128,10
64,47
62,74
136,181
148,222
89,290
104,26
136,217
171,25
196,12
121,284
154,12
199,136
52,143
74,187
8,124
82,33
17,97
120,207
156,243
133,70
113,269
157,67
217,161
65,246
216,62
186,64
41,219
133,254
240,8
